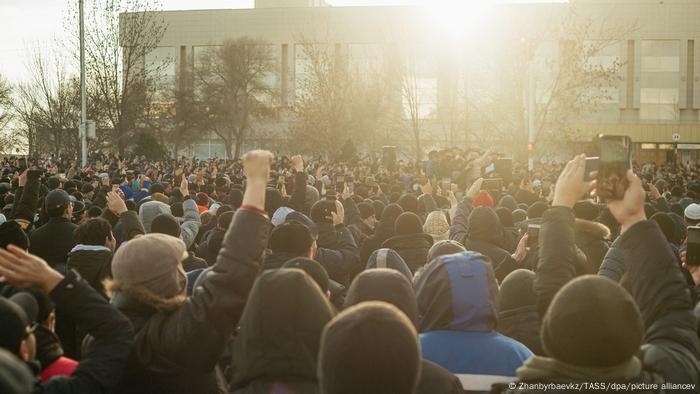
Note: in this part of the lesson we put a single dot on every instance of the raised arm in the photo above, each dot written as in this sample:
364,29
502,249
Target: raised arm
217,303
28,200
658,287
191,220
557,246
298,199
100,370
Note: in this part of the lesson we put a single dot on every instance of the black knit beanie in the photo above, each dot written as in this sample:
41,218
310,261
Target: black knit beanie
408,223
592,321
165,223
370,348
517,291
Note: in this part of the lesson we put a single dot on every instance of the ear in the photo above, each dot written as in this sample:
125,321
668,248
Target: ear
24,351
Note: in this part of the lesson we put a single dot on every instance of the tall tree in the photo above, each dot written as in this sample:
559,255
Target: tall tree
47,107
8,139
233,88
118,35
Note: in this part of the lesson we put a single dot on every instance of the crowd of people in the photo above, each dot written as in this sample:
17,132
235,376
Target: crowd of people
283,275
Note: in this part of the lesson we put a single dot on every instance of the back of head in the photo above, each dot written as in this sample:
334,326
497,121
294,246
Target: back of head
505,216
366,210
484,225
409,203
593,322
517,290
273,200
149,210
177,210
56,202
391,212
12,234
149,268
321,211
437,226
445,247
224,220
586,209
383,284
519,215
373,331
378,208
166,223
280,329
94,231
312,268
536,210
291,238
508,202
408,223
668,227
389,258
457,292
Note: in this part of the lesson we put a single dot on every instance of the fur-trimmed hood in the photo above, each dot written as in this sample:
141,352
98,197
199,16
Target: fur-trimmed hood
594,229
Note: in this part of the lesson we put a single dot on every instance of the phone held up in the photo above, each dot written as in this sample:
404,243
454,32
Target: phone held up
615,159
692,256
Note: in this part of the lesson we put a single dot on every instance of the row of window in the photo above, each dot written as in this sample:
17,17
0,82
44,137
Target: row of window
659,71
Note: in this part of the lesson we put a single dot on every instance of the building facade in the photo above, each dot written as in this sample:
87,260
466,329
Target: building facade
655,98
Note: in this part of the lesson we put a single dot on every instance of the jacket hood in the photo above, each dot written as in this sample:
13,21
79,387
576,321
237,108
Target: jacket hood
437,226
484,225
385,228
383,284
327,236
389,258
457,292
280,329
595,229
509,202
409,241
149,211
517,290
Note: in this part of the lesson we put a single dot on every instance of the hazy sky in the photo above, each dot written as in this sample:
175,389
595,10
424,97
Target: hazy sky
39,23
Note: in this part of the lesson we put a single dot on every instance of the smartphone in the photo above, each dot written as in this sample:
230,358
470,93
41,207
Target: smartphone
533,234
592,164
615,160
692,256
351,188
281,180
492,184
490,168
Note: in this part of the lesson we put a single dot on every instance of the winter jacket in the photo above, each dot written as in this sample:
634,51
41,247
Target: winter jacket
279,335
124,227
613,265
413,248
457,302
165,358
671,345
209,247
382,231
523,325
50,355
93,263
113,335
53,241
338,253
591,239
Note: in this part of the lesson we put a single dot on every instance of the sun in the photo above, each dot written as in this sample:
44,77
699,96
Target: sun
460,18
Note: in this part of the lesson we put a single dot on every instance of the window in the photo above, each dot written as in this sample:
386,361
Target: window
161,64
306,57
364,60
660,79
420,87
648,146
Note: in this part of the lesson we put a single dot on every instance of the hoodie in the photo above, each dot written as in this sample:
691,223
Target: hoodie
485,235
457,299
189,227
389,286
437,226
276,349
388,258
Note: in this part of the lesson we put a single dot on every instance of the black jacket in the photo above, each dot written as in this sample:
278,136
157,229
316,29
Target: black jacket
591,239
208,249
101,368
382,231
523,325
413,248
671,346
176,351
53,241
93,264
337,252
279,334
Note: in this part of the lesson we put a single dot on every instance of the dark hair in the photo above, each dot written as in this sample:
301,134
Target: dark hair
292,238
94,211
321,210
224,220
56,212
93,232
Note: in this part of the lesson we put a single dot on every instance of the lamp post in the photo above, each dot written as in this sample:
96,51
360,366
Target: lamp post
83,120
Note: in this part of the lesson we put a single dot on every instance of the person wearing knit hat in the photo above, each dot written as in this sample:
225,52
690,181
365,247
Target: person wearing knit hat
160,197
202,200
382,284
273,200
280,215
517,310
12,234
445,247
387,258
437,226
375,331
509,202
592,327
151,288
313,269
692,214
382,231
378,209
409,203
279,334
289,240
519,216
410,241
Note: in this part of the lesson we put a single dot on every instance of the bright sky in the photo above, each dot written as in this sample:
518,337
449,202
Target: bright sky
30,23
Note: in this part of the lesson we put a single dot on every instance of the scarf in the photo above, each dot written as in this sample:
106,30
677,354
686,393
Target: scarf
538,368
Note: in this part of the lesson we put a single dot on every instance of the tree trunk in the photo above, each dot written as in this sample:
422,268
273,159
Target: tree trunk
416,136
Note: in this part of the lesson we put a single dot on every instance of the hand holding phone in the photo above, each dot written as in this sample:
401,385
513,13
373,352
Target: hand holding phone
615,160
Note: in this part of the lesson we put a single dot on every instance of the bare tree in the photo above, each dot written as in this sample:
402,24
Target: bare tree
118,35
233,89
8,139
412,102
47,107
575,85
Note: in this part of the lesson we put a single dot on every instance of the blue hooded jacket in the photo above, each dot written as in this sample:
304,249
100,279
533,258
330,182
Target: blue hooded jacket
458,306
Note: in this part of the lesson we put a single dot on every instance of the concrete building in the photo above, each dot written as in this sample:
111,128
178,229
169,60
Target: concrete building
655,99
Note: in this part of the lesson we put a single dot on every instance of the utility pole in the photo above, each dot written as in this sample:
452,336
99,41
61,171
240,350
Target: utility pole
83,120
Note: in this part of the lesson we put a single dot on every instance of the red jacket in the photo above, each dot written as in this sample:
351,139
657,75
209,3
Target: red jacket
63,366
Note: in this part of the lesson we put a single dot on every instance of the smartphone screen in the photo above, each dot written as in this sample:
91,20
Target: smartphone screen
615,160
533,234
490,168
693,252
592,164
